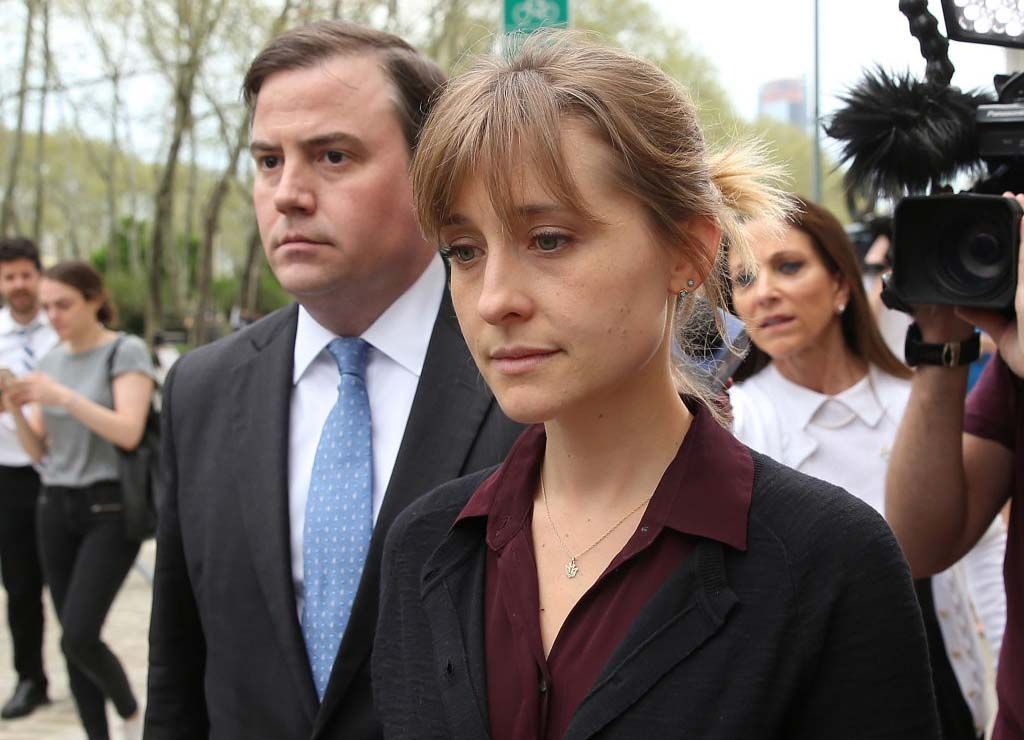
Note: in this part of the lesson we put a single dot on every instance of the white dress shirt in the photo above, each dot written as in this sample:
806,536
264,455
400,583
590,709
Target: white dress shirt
846,439
39,338
398,342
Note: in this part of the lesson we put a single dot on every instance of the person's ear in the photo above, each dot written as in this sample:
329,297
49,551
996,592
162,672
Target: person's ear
842,295
95,303
691,264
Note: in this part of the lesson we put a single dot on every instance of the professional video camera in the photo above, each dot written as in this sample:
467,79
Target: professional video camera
908,139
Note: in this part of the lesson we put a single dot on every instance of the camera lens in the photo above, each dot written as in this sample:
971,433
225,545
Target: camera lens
974,264
981,256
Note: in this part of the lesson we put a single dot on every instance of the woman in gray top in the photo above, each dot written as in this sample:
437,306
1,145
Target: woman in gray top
90,393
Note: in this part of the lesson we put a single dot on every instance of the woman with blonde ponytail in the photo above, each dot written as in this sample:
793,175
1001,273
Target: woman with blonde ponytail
630,570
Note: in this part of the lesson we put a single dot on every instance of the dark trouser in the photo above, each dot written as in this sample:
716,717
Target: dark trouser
954,714
86,557
20,569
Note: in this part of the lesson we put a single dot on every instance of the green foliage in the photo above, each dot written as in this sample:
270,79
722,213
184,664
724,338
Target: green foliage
128,249
224,294
635,25
792,147
190,247
128,291
271,295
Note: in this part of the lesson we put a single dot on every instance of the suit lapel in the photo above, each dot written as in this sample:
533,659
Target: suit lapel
450,405
685,612
261,405
448,409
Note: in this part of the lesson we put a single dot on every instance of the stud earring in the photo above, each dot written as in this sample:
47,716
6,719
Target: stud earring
840,308
690,283
683,293
686,291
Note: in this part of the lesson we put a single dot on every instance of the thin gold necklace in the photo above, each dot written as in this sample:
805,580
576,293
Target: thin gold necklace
571,568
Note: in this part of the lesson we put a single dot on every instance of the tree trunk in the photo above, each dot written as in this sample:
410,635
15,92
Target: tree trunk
8,218
211,224
196,23
131,184
184,271
249,286
108,170
164,200
40,204
113,155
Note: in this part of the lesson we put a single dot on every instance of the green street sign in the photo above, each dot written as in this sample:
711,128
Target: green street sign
524,16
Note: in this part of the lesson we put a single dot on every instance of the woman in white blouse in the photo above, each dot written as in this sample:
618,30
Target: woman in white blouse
822,393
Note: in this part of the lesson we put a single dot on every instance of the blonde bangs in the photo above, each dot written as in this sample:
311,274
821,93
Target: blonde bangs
504,119
496,125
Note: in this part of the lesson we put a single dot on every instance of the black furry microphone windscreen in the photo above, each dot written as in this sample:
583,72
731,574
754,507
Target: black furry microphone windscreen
903,135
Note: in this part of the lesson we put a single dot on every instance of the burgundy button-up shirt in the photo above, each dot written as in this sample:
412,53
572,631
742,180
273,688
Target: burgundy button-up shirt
705,492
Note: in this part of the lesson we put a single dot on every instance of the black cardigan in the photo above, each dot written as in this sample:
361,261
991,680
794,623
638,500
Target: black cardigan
813,632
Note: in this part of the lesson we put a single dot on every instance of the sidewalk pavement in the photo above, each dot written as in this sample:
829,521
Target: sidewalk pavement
126,632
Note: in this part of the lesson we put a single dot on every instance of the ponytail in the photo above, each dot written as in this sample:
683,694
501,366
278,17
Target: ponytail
750,187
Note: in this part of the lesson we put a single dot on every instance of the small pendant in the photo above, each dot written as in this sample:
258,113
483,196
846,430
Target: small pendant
571,569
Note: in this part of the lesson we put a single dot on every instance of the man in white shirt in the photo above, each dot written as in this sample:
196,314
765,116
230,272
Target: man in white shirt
292,445
25,336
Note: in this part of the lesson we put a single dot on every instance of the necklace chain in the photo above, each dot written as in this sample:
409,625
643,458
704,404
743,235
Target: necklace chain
571,568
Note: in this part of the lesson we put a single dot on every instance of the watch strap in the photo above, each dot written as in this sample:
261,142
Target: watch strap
948,354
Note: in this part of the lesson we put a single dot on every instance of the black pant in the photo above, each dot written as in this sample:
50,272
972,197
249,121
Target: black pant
20,569
955,717
86,557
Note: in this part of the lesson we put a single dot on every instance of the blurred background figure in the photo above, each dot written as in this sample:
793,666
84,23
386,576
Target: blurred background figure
90,393
822,393
25,336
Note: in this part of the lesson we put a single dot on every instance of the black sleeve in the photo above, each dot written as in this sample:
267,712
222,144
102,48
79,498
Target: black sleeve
389,660
176,704
406,684
873,678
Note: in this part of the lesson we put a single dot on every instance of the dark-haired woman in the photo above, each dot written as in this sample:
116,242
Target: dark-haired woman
822,393
90,394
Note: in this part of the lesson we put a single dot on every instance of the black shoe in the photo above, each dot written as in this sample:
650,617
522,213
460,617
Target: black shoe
28,695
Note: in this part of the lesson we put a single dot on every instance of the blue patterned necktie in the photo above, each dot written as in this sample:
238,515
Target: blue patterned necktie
339,513
28,357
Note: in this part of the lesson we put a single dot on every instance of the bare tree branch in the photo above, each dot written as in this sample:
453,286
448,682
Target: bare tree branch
40,200
8,218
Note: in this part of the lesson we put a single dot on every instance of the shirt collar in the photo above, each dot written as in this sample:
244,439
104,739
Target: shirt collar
705,491
9,326
402,332
803,403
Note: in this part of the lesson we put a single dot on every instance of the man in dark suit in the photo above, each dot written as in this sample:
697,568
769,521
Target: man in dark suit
291,446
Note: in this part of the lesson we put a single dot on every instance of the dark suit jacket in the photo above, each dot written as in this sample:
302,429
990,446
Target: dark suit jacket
227,658
813,632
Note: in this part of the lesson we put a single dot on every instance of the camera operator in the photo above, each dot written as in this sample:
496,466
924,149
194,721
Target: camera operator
953,468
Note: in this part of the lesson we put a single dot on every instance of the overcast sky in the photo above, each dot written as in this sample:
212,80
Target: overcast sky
751,41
